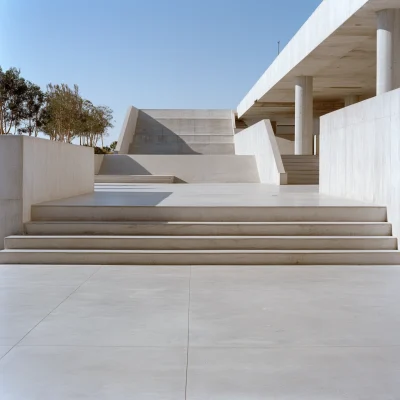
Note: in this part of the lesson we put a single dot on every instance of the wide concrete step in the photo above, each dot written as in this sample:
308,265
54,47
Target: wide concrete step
202,257
201,242
218,214
209,228
134,179
99,213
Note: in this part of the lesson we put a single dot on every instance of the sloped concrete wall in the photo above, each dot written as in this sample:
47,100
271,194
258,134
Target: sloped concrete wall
183,132
187,168
259,140
360,153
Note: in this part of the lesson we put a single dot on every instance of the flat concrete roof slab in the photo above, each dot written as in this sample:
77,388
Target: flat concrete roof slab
336,45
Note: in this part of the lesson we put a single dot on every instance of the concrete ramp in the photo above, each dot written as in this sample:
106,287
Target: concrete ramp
186,168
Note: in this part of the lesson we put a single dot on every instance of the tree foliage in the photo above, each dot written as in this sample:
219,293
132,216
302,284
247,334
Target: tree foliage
60,113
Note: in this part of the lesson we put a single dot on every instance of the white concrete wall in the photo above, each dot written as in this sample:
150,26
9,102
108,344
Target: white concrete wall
286,146
34,170
98,160
187,168
259,140
127,131
360,153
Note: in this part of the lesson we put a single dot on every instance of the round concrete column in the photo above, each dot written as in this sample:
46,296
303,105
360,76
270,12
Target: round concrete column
303,130
388,41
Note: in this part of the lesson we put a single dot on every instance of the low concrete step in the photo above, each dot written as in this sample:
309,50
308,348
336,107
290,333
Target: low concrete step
300,167
210,228
43,212
296,181
201,242
202,257
294,157
134,179
302,173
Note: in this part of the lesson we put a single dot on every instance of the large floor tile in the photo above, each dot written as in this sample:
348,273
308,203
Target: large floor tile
342,373
4,350
36,275
21,308
117,317
295,307
334,278
151,277
71,373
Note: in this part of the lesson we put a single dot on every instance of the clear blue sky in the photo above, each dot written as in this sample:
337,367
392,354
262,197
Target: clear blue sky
149,53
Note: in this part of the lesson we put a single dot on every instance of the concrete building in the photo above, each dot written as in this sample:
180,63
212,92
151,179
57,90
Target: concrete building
326,111
301,181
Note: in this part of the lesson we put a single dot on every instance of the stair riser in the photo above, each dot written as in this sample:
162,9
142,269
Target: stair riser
203,243
42,228
212,214
132,179
293,258
302,181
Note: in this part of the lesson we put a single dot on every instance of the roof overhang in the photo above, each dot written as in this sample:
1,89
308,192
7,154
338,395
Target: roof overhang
337,46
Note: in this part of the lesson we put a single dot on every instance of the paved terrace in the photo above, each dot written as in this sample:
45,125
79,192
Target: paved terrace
200,332
216,195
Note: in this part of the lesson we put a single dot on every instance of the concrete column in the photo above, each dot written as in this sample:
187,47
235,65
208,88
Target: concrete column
303,131
349,100
388,41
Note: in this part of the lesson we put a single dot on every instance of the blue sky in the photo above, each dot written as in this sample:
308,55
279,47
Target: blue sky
149,53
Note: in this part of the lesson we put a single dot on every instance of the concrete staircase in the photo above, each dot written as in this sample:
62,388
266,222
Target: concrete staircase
60,234
183,132
301,170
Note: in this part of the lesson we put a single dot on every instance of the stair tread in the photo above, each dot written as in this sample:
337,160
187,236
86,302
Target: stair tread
196,251
197,237
209,223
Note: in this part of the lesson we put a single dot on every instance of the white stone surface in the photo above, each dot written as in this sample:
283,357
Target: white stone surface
221,332
360,156
207,194
127,131
187,168
259,140
34,170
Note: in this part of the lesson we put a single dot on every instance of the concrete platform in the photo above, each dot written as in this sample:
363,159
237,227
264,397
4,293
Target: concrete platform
175,333
210,194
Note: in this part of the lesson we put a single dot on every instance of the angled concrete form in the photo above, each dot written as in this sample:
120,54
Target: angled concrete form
259,140
128,131
177,132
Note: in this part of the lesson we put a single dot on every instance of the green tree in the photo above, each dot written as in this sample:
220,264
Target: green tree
13,89
63,112
33,110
